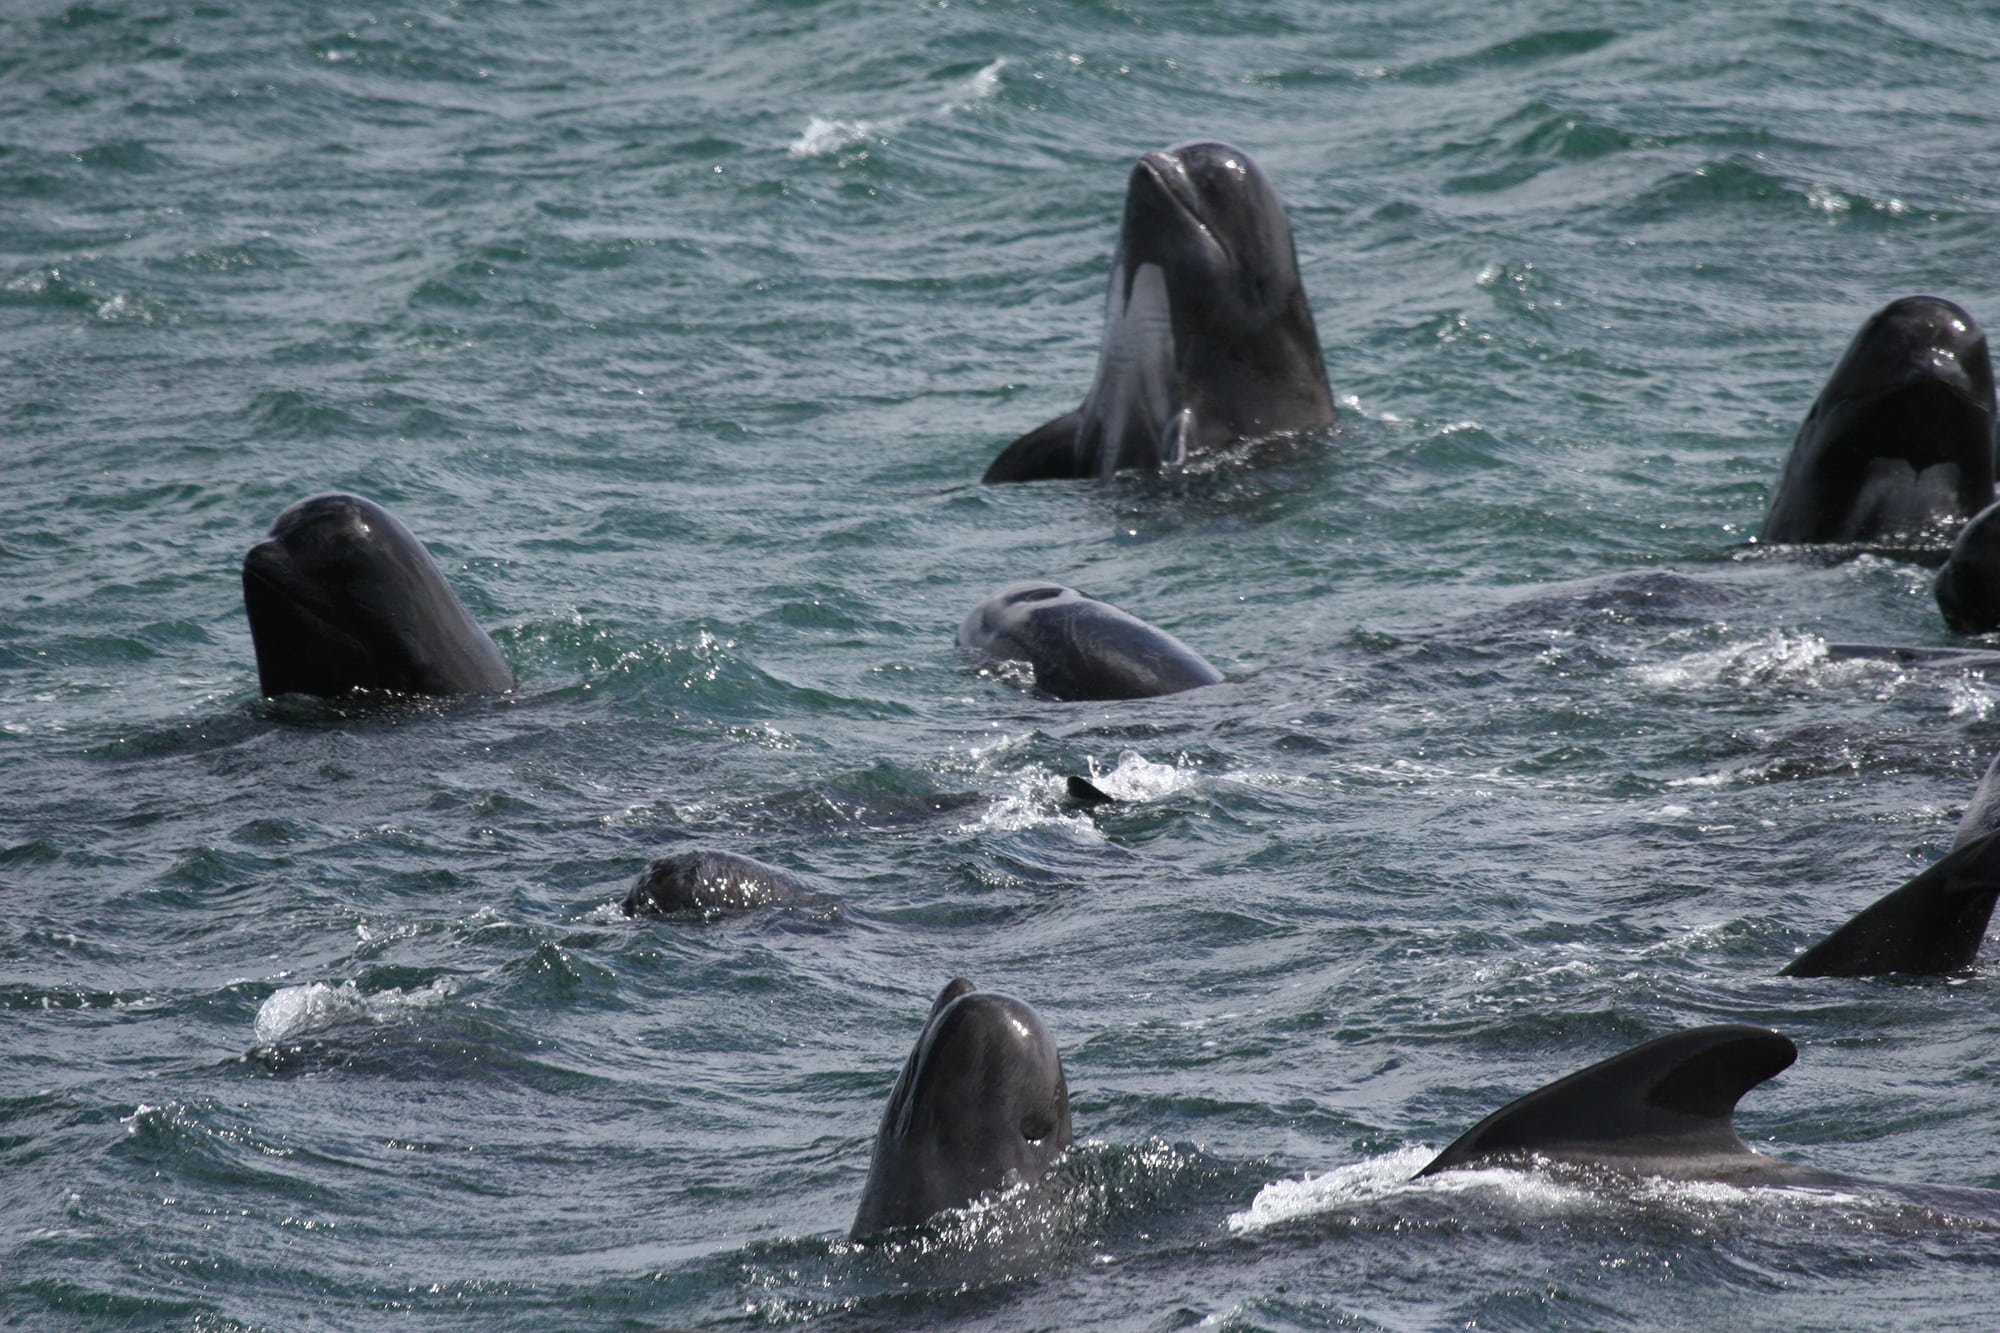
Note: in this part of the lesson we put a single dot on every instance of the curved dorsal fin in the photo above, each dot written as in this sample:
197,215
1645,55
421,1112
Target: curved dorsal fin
1932,924
1671,1098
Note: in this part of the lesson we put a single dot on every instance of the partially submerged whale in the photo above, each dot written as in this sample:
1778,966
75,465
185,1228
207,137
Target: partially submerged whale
1979,660
712,881
1899,444
341,597
981,1105
1081,648
1208,338
1982,812
1666,1108
1082,791
1931,925
1968,584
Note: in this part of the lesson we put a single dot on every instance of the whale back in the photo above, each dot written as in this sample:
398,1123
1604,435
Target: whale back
1081,648
1666,1107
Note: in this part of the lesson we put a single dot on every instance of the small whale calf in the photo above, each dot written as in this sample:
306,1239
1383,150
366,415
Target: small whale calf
1080,648
1899,444
981,1105
342,597
1208,338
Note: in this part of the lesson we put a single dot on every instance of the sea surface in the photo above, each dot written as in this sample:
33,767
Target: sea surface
681,333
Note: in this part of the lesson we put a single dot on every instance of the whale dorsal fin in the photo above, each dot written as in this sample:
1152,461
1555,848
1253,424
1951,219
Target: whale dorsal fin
1932,924
1048,451
1670,1101
1085,792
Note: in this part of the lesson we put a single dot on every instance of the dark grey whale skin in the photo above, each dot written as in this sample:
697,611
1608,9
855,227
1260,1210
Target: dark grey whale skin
1930,926
713,882
1899,444
1967,587
980,1105
1666,1109
1982,812
1208,338
1081,648
342,597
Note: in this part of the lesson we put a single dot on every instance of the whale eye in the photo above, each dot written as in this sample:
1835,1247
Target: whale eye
1037,1125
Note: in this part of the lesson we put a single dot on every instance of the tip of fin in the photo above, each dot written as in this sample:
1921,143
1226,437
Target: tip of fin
1674,1097
954,988
1085,792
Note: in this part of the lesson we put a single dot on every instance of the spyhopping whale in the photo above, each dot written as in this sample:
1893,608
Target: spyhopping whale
1208,338
342,597
1898,447
981,1105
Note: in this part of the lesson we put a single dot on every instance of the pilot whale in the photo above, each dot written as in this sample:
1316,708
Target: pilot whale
981,1105
712,881
1664,1108
1898,447
341,597
1208,338
1967,587
1079,647
1931,925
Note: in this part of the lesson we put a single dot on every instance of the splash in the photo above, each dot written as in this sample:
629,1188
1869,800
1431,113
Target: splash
825,135
295,1011
1137,778
1288,1200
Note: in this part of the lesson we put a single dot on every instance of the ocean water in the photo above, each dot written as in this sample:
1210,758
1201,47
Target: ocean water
681,334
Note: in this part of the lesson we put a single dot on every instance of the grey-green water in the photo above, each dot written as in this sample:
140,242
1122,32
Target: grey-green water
680,333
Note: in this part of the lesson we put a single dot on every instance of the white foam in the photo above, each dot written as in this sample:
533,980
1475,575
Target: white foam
1038,796
1534,1193
1137,778
295,1011
824,134
1970,697
1287,1200
1780,658
978,88
1034,800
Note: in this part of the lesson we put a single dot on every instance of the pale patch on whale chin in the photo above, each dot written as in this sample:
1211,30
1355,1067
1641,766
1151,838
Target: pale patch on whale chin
1133,393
